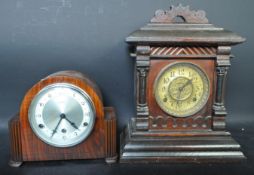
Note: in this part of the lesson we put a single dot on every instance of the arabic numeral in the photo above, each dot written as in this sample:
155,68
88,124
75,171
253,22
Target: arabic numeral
166,80
172,74
181,71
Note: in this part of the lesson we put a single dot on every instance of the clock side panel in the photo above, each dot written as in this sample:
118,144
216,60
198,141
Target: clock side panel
160,120
34,149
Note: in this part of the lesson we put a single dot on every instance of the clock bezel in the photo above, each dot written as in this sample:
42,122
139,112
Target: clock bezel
199,70
80,91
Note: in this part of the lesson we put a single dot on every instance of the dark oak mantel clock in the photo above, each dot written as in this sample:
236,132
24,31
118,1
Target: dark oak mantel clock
181,68
62,117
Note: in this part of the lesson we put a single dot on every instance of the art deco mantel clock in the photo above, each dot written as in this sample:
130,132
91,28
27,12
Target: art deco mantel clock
62,117
181,67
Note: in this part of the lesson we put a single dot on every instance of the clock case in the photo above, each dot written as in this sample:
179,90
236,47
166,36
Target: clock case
101,143
179,35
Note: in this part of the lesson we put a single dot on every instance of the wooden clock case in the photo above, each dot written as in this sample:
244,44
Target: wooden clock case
155,136
101,143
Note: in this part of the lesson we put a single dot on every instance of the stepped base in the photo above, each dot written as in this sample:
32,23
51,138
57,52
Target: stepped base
162,147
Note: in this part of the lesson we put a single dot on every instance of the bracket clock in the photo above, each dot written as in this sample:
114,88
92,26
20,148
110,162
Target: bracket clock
181,67
62,117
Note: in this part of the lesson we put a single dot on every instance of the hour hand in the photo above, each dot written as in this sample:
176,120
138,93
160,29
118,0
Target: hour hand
72,123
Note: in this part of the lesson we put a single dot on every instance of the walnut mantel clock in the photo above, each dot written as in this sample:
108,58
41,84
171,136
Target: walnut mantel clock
181,68
62,117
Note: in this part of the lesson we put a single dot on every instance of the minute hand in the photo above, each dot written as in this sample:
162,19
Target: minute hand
186,84
55,130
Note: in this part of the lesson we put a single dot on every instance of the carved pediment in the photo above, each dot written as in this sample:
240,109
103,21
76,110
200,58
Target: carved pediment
184,13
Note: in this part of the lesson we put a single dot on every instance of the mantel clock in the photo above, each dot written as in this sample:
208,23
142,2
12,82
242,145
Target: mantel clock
62,117
181,68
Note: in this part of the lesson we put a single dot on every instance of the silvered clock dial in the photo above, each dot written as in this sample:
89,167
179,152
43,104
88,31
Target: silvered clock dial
181,89
62,115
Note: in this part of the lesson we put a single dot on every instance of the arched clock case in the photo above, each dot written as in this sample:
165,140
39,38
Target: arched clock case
62,117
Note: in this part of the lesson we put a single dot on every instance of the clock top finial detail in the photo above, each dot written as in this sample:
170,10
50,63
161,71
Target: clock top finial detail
187,15
181,26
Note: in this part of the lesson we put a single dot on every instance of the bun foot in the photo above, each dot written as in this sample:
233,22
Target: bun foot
15,163
111,160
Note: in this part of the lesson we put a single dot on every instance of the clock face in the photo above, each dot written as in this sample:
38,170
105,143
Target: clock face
181,89
62,115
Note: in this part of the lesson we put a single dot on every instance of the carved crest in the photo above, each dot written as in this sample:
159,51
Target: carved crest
184,13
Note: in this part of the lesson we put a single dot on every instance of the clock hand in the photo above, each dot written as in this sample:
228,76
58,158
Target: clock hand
178,97
72,123
55,130
186,84
181,89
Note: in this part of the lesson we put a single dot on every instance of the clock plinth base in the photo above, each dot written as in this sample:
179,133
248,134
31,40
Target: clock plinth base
166,147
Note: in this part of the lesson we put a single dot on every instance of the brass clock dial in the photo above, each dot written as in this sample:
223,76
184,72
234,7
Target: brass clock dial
181,89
